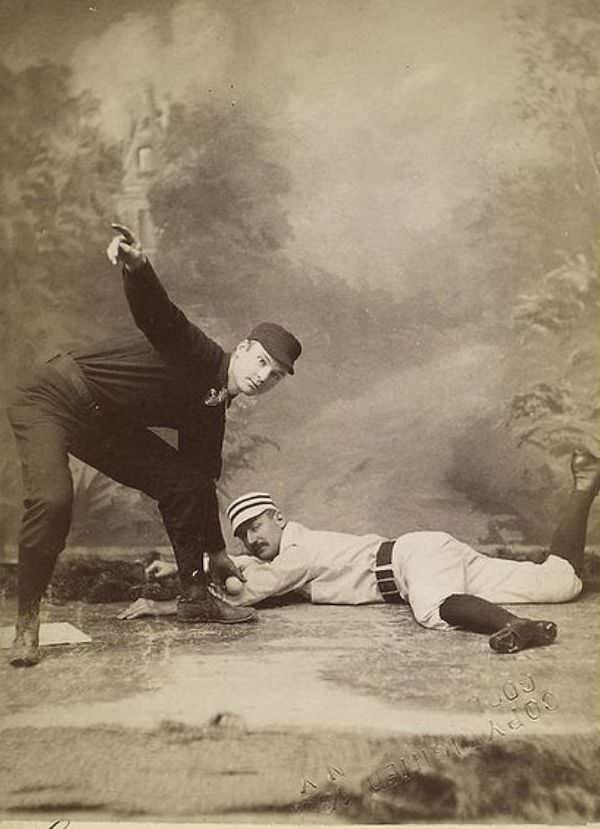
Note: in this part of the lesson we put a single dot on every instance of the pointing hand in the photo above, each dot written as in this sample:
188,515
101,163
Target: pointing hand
125,248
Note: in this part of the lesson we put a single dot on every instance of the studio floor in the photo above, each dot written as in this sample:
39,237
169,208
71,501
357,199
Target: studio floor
314,713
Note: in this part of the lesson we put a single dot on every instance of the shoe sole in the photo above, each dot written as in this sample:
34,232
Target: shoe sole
191,620
514,639
24,661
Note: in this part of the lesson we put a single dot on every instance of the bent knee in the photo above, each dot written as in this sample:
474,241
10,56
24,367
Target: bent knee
427,614
52,505
560,582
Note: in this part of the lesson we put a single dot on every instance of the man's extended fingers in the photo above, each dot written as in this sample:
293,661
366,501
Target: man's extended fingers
160,569
236,571
112,251
153,569
125,232
220,567
139,608
117,246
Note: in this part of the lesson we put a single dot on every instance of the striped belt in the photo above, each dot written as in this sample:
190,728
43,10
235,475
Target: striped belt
384,574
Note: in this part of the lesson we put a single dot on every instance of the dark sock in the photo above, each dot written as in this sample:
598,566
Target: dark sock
568,540
196,582
475,614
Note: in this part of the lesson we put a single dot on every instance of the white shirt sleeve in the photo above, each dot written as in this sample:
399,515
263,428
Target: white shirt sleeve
289,571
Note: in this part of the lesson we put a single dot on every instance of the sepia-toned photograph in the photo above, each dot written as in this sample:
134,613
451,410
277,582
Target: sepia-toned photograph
299,412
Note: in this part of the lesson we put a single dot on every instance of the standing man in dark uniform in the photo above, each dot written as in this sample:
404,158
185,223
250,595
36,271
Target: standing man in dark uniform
98,405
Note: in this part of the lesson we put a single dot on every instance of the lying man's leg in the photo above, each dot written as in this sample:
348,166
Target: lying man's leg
510,633
568,541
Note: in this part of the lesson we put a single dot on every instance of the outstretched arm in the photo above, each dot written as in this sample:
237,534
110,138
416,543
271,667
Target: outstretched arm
126,249
285,574
163,323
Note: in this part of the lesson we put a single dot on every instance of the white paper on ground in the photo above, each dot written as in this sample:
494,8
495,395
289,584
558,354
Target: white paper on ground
51,633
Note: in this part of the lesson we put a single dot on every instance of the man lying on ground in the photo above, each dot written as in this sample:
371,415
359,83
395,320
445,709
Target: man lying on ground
446,583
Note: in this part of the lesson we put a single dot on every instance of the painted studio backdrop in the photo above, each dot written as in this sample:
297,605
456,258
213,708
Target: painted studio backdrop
412,187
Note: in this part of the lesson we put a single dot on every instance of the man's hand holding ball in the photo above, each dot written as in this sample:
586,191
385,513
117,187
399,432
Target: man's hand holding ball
233,585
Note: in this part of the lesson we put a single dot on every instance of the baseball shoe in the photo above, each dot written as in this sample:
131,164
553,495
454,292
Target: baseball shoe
586,471
196,604
25,650
523,633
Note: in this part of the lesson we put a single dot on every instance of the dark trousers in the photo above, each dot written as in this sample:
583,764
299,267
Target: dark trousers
50,420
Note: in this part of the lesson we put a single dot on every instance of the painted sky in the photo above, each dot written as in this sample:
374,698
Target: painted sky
397,121
391,116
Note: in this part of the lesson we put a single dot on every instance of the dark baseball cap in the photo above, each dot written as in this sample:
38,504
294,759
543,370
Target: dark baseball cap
280,344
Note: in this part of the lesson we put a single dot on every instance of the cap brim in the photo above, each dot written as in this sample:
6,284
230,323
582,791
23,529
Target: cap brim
287,366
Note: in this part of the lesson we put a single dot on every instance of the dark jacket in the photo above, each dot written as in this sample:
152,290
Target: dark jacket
163,376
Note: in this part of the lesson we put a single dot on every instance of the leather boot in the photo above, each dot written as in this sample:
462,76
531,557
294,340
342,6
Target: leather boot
523,633
25,650
197,604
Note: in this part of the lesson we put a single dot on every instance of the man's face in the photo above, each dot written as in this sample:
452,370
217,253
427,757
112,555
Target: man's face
261,536
252,370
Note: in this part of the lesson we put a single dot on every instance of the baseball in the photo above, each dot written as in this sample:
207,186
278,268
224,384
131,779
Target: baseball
233,585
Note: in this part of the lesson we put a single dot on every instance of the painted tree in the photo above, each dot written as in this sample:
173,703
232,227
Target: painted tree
542,227
58,174
221,212
556,316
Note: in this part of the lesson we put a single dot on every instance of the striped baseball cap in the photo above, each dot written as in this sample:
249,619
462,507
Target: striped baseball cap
248,506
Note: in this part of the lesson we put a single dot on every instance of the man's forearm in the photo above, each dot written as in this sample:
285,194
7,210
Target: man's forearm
167,608
154,313
265,580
